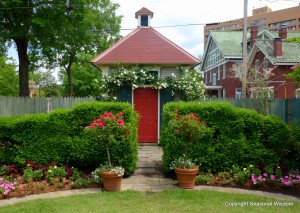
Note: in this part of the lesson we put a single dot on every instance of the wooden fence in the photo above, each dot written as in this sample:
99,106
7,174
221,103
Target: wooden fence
16,106
287,110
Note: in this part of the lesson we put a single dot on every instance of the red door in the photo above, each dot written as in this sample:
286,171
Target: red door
146,104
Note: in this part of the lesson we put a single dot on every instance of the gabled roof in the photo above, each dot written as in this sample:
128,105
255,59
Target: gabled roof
230,43
145,45
144,11
290,51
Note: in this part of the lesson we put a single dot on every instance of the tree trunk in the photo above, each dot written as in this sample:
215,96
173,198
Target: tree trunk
24,63
69,73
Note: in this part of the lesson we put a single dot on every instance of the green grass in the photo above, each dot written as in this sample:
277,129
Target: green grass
165,201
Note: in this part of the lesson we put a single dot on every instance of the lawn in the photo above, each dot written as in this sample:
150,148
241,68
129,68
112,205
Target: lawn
164,201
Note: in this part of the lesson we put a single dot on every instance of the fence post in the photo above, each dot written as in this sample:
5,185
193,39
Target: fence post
48,105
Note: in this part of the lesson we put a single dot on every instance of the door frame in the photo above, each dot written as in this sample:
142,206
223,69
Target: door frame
158,107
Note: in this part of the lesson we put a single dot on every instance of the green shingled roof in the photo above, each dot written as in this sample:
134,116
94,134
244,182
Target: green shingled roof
289,35
230,43
290,51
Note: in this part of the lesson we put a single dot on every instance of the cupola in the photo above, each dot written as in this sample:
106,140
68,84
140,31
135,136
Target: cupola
144,17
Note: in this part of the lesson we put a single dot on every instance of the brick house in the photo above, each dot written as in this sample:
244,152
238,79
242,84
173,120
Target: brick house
157,54
223,50
272,51
266,50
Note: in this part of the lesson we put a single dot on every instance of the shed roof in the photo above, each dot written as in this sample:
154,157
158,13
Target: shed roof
145,45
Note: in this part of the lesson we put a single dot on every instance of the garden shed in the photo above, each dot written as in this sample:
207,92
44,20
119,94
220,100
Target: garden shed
155,58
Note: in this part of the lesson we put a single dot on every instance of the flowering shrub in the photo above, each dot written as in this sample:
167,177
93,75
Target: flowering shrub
187,128
108,127
6,186
189,84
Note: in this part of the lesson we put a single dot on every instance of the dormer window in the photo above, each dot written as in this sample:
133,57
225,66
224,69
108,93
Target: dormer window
144,21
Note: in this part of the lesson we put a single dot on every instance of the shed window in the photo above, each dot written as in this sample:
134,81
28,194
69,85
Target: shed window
144,21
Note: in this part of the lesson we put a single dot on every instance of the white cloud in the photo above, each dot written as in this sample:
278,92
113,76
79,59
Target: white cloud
171,13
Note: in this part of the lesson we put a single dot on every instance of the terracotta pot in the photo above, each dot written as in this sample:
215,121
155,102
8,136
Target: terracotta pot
111,181
186,177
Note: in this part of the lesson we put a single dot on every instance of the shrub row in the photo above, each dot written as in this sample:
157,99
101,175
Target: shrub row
59,136
239,137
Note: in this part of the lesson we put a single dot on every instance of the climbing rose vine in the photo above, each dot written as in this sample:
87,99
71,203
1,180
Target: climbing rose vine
188,85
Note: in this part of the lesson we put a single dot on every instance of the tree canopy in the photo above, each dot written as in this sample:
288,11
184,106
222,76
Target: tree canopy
8,78
57,30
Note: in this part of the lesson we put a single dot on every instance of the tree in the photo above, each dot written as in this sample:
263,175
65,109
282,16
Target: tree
45,27
295,75
86,78
8,78
257,83
91,31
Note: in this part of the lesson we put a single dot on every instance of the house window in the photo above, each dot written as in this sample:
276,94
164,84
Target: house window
224,71
224,93
238,71
256,66
210,75
205,76
238,93
144,20
262,92
297,93
214,57
219,72
266,63
214,80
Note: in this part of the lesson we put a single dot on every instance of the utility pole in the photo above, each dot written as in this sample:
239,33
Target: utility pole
244,64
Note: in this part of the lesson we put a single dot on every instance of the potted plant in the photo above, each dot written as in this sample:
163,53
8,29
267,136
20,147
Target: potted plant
107,128
188,128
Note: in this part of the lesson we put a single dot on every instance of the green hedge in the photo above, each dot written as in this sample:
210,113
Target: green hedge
59,136
239,137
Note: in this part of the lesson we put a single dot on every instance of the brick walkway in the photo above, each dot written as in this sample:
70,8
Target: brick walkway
149,175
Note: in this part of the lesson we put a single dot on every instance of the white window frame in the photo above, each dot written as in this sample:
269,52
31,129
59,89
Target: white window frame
214,80
224,71
256,69
255,92
238,93
297,93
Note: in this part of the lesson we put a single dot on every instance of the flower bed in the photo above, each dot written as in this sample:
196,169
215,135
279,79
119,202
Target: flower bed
36,179
263,179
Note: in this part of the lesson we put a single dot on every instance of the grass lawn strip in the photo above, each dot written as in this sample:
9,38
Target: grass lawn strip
165,201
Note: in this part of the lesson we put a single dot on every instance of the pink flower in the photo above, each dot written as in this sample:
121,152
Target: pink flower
273,177
121,122
120,114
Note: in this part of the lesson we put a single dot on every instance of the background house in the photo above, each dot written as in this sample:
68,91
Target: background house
271,51
145,46
266,51
223,50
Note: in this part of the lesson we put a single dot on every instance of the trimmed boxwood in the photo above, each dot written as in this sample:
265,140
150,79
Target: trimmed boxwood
239,137
59,136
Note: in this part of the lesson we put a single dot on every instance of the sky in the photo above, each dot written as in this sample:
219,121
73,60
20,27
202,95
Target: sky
197,13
